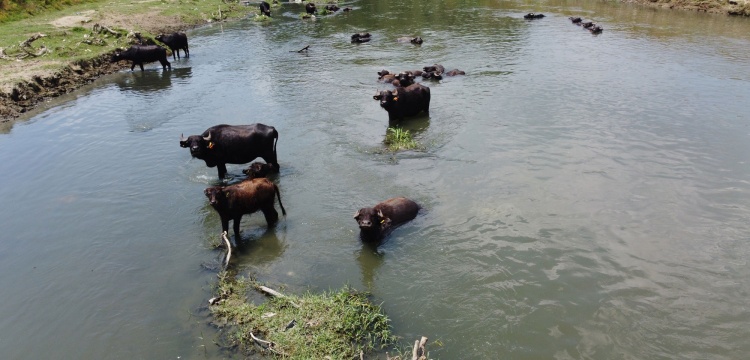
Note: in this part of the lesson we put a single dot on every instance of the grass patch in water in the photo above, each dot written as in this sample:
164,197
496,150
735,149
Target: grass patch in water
399,139
337,324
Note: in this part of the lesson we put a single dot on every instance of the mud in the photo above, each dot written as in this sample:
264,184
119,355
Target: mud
26,95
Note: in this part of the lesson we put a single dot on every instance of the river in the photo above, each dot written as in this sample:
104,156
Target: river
585,196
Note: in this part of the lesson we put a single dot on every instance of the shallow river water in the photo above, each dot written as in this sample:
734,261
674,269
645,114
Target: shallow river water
584,196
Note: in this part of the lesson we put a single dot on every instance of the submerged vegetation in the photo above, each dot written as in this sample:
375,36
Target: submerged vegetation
338,325
399,139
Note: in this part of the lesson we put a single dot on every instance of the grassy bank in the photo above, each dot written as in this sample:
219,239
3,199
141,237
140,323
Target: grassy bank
53,47
728,7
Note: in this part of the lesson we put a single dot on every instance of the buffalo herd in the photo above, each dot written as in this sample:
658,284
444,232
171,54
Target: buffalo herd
240,144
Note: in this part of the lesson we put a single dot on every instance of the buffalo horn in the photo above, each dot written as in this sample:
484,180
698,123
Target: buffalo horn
356,214
207,138
182,137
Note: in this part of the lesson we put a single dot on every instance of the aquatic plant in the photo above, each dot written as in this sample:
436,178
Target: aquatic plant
397,138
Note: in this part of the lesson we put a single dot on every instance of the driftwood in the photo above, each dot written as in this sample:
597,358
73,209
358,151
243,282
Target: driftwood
27,42
418,352
304,49
267,345
229,249
275,293
104,30
3,55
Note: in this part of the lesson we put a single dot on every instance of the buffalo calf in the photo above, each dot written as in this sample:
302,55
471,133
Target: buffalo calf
377,221
246,197
259,170
140,54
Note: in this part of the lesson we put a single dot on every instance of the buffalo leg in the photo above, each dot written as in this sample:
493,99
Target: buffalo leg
271,215
222,170
141,65
236,226
224,224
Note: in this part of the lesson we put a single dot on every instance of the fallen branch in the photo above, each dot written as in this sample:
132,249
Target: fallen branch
27,42
3,55
418,352
267,345
304,49
103,29
275,293
229,249
42,50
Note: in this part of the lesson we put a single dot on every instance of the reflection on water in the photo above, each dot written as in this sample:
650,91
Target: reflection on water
587,195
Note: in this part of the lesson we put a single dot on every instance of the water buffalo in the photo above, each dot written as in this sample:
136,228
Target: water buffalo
233,144
258,170
332,7
531,16
176,41
595,29
361,37
455,72
310,8
414,40
587,24
375,222
434,68
140,54
404,101
575,20
246,197
403,79
265,8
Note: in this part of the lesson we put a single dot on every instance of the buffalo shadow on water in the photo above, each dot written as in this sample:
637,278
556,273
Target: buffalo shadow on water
369,259
150,81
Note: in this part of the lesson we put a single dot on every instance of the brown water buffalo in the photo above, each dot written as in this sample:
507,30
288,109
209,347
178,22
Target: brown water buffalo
404,101
246,197
140,54
455,72
377,221
258,170
233,144
176,41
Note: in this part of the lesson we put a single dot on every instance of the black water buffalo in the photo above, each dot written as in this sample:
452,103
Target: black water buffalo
434,68
404,101
258,170
531,16
332,7
246,197
265,8
414,40
375,222
176,41
403,79
595,29
361,37
455,72
140,54
575,20
233,144
310,8
587,24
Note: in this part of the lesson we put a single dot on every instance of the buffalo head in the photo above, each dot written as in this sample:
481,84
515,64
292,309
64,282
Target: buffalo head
387,98
417,40
217,196
370,219
197,144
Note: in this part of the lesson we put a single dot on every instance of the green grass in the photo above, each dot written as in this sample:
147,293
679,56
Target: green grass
338,324
399,139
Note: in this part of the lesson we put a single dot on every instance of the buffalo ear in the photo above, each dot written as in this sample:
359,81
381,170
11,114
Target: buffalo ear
356,215
226,193
377,97
183,143
380,214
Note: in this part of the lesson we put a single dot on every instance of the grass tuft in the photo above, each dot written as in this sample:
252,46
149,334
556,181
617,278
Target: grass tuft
399,139
337,324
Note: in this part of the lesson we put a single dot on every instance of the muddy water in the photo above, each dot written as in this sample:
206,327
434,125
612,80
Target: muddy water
585,196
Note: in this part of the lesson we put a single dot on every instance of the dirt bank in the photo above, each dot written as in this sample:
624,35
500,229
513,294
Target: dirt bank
75,45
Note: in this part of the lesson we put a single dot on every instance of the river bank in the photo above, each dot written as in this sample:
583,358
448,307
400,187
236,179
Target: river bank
71,50
57,52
